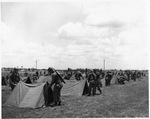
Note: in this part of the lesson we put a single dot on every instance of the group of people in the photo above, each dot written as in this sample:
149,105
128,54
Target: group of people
93,78
127,75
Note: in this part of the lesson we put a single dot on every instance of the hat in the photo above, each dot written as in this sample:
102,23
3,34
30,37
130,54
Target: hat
50,69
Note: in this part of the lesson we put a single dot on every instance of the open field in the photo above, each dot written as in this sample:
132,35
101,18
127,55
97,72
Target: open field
129,100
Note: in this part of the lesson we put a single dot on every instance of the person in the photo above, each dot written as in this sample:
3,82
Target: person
134,75
14,78
102,75
128,75
108,78
120,78
37,74
91,81
79,76
97,82
57,82
69,74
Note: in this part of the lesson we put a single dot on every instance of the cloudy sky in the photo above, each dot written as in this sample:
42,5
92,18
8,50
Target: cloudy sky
75,34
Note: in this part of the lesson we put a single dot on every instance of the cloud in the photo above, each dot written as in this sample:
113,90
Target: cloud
112,24
65,34
17,51
77,31
110,11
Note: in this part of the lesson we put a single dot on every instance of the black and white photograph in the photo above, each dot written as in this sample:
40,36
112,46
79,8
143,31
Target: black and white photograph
74,59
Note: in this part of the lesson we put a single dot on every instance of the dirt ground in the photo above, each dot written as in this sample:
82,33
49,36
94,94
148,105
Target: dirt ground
129,100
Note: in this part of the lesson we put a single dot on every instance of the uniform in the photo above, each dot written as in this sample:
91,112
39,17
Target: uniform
56,81
91,80
14,79
120,78
134,76
97,83
79,76
108,79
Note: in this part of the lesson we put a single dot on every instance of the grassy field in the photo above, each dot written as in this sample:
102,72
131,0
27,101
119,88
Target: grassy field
129,100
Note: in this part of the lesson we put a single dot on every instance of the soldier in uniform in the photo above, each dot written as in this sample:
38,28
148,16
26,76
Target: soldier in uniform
57,82
79,76
134,75
14,78
97,82
91,80
108,78
69,73
121,78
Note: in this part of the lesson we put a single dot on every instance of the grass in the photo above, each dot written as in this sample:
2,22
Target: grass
129,100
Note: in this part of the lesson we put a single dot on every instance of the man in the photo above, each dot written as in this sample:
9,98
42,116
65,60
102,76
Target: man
79,76
37,74
69,73
14,78
134,75
97,82
57,82
91,80
120,78
128,75
102,75
108,78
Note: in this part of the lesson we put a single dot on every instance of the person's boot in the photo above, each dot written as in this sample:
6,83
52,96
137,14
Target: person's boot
59,103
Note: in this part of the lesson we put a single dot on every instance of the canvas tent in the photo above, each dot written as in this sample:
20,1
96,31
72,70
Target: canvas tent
31,95
26,95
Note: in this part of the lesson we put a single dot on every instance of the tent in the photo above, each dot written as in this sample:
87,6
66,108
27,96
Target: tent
31,95
74,88
26,95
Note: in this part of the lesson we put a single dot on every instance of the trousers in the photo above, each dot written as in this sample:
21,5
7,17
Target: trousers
57,92
91,88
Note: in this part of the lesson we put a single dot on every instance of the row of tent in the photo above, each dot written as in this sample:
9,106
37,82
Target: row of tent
31,95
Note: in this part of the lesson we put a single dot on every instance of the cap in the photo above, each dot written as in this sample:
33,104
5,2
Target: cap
50,69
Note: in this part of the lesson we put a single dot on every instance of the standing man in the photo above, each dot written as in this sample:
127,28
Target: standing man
97,82
69,73
108,78
37,74
134,75
14,78
91,80
57,82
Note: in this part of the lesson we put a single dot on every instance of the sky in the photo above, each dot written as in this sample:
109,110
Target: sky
75,34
